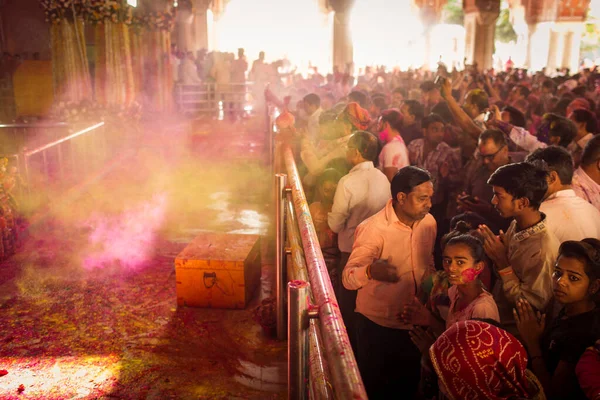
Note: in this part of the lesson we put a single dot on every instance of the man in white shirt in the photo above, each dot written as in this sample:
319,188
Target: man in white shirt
312,107
561,132
568,216
586,179
359,195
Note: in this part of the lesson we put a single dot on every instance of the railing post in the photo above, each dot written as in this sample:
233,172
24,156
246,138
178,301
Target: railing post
26,172
298,305
280,255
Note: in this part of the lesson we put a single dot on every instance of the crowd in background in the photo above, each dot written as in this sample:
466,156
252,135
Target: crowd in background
459,217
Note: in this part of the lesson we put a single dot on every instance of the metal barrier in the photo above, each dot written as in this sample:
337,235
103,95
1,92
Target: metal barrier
214,99
319,350
52,153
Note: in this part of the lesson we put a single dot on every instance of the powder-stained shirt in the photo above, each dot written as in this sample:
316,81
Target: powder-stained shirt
570,217
443,154
532,254
394,154
483,307
586,188
576,148
360,194
410,250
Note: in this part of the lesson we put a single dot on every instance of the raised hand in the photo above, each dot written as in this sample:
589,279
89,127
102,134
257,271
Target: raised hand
494,247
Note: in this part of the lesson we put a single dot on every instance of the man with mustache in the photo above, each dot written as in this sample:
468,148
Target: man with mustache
391,256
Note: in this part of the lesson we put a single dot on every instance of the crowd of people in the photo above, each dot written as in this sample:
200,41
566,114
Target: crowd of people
459,217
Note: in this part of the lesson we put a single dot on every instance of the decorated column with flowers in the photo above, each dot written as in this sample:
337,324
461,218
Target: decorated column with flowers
70,68
114,81
156,49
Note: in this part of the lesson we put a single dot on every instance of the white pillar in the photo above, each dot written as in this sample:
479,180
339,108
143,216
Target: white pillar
183,30
555,53
343,51
572,44
539,45
200,29
480,32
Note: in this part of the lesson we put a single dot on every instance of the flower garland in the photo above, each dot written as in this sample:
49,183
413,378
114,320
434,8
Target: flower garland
56,10
116,11
87,111
98,11
155,21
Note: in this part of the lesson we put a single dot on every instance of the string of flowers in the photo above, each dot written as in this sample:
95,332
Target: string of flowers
88,111
116,11
98,11
156,21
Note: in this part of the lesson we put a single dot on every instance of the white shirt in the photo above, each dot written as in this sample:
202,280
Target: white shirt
359,195
529,142
525,140
313,124
394,154
570,217
586,188
190,73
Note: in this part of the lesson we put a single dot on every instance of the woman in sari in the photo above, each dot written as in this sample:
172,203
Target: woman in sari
476,360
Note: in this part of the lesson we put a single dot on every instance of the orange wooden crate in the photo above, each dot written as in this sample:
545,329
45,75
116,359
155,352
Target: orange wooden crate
218,270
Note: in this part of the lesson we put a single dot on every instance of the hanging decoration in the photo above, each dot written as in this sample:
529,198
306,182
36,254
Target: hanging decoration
132,53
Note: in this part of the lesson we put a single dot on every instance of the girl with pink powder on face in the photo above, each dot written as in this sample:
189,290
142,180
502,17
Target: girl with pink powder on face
464,261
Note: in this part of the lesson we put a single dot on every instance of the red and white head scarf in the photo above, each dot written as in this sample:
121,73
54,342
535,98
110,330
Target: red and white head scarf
476,360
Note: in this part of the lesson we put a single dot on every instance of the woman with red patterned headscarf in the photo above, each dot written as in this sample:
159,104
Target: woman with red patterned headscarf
476,360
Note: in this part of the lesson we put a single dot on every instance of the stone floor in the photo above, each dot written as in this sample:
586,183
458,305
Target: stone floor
88,307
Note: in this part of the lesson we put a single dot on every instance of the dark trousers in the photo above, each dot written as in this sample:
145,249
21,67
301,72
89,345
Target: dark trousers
389,363
347,302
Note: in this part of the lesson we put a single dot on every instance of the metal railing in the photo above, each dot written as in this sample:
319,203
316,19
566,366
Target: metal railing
84,151
319,350
213,99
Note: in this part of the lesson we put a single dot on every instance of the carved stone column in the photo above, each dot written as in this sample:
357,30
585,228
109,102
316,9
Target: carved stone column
570,21
429,12
343,49
554,28
480,26
200,25
183,30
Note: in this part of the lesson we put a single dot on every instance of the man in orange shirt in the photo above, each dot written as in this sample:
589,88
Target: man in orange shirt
391,256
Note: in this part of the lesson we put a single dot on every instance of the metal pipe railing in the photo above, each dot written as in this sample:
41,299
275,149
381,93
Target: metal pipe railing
319,382
62,140
280,255
318,371
298,306
26,154
35,125
345,376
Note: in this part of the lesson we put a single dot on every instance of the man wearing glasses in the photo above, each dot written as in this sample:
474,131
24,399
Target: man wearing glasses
477,194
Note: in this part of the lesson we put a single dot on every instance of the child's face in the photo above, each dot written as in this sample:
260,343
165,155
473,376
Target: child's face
328,190
571,283
459,264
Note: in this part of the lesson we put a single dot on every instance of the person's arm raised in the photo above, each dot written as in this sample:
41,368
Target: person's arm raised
463,120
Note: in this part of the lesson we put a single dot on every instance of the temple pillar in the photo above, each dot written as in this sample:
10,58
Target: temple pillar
183,30
480,26
343,49
540,46
201,25
555,28
573,47
570,21
429,12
